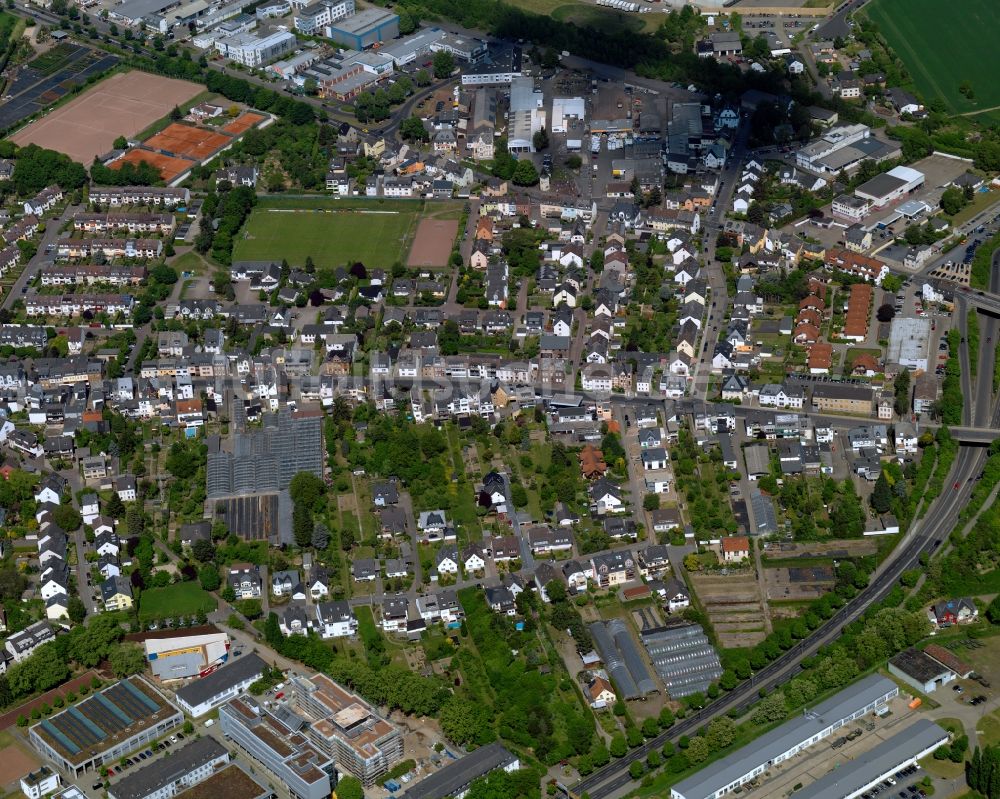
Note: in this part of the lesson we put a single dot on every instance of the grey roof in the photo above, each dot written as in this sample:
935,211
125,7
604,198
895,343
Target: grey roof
683,656
201,691
622,659
459,774
792,733
161,773
918,665
877,762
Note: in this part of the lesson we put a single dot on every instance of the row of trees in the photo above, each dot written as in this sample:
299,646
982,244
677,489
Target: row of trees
982,772
231,210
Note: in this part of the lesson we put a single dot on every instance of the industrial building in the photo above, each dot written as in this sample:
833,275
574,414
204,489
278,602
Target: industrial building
413,47
890,186
526,115
622,659
909,342
880,762
255,51
843,148
455,778
201,696
105,727
174,656
920,670
364,29
168,776
566,112
496,67
683,657
781,743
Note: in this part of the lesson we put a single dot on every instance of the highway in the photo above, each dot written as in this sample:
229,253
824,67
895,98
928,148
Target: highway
925,536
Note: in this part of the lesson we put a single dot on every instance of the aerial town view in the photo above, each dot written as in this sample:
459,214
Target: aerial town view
499,399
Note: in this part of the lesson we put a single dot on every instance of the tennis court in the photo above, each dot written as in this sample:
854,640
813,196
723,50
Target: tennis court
196,143
169,167
244,123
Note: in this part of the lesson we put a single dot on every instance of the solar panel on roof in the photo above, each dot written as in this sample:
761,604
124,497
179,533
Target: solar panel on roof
115,710
65,742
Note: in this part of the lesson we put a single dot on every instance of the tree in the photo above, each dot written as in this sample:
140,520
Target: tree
721,733
67,517
203,550
412,129
443,63
525,173
636,769
901,387
466,722
540,139
302,524
175,113
120,143
209,578
651,502
76,610
771,708
250,608
422,78
350,788
698,750
885,313
127,659
320,536
952,200
618,746
882,494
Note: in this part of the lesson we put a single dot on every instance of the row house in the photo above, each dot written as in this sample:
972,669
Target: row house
88,274
140,195
109,248
77,304
23,228
132,222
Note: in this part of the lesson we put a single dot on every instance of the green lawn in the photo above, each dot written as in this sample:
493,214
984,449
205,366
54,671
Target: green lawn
180,599
377,234
942,46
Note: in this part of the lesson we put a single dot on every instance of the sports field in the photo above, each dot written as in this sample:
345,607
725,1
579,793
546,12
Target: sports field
944,45
332,232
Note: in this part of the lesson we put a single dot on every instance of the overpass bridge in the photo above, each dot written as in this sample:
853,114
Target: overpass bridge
975,435
984,301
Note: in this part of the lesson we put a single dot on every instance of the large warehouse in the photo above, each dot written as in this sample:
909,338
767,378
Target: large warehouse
366,28
783,742
878,763
910,342
105,727
193,654
890,186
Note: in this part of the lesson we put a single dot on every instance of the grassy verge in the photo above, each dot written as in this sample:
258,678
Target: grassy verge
972,339
982,263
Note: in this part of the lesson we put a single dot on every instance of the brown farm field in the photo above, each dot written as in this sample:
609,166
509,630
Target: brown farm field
123,105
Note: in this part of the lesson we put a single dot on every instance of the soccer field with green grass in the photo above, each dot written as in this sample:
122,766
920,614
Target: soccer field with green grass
944,44
333,232
180,599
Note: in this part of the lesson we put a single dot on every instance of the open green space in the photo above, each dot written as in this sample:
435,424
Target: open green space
334,232
943,49
180,599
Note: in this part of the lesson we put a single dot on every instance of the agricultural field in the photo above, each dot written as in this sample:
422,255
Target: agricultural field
942,50
334,232
180,599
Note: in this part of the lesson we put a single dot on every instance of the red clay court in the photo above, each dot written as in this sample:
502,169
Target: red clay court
169,167
244,123
433,242
122,105
196,143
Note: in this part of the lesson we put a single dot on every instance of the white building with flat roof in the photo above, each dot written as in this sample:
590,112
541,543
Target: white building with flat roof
565,110
909,342
255,51
762,754
526,115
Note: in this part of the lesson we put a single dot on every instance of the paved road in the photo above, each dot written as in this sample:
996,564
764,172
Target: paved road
31,269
